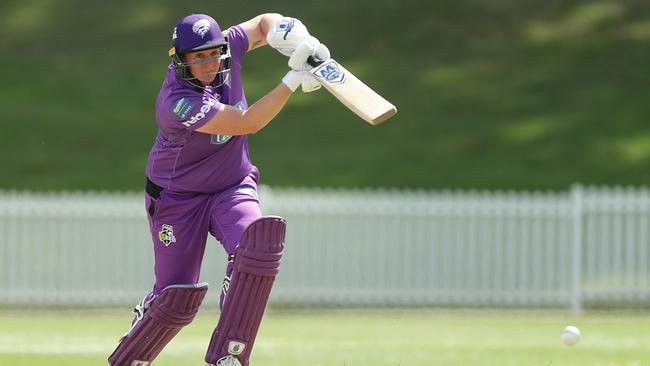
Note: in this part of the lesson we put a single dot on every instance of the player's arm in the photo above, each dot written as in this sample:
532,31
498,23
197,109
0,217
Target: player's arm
233,121
257,28
285,34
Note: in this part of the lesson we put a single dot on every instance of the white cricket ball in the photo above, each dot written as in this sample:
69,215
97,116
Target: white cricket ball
570,335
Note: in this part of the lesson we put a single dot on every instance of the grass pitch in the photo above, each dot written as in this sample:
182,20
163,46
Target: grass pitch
346,338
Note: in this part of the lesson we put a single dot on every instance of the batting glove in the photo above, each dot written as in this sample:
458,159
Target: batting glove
310,84
299,59
287,34
293,79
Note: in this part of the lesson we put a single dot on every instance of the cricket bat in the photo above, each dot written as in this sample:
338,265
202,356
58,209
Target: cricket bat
351,91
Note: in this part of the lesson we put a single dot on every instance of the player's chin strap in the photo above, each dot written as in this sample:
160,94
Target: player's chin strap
221,77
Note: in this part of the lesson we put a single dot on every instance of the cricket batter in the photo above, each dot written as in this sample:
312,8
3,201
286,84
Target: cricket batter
200,180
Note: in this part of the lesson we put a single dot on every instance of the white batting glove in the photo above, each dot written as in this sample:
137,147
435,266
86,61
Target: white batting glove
298,60
310,84
293,79
322,52
287,34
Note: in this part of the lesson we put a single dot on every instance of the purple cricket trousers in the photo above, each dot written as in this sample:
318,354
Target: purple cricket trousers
180,223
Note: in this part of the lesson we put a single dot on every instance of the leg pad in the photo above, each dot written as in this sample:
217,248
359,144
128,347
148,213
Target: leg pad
163,318
257,262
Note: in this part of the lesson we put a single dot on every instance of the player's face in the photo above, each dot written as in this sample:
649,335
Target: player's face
204,65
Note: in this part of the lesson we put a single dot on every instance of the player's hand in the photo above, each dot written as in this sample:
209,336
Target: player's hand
310,84
298,60
287,34
293,79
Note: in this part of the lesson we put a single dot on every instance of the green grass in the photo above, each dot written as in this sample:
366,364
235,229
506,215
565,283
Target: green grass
358,337
491,94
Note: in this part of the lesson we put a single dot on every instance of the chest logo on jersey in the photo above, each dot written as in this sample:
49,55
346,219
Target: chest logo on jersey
182,107
222,139
166,235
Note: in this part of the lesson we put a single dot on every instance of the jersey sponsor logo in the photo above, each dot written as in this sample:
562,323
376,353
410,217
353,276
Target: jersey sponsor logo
247,190
205,108
166,235
331,72
201,27
219,139
222,139
182,107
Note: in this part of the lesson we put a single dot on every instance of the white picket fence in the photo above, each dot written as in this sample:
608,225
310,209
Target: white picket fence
586,246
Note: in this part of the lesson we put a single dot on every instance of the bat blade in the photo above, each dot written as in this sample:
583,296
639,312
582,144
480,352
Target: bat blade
352,92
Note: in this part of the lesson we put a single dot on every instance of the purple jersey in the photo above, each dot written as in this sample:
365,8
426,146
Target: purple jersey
183,160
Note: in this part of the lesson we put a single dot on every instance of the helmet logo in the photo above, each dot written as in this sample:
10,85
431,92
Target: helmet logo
174,36
201,27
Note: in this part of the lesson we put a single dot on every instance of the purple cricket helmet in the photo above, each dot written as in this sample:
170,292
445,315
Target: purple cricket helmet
197,32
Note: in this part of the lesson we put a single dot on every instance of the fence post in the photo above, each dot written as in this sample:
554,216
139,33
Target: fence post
577,194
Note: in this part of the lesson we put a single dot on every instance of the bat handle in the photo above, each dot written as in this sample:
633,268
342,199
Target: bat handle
314,61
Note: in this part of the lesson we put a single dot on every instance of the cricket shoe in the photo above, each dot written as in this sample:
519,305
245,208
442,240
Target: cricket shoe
228,360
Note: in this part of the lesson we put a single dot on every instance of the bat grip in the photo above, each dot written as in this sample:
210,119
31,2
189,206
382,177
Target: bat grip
314,61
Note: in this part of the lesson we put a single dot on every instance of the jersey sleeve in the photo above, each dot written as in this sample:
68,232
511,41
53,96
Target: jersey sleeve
238,41
185,111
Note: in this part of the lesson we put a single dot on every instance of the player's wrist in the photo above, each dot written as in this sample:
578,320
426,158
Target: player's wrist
292,80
